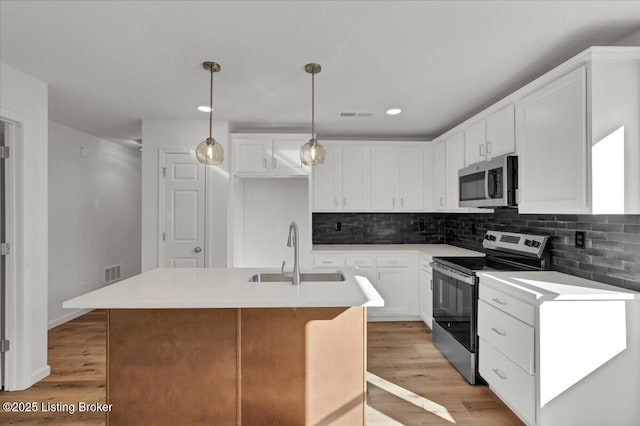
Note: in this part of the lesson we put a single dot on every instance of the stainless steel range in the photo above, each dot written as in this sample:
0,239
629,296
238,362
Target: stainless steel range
455,292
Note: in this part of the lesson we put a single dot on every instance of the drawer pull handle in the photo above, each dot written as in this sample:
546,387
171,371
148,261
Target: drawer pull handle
326,262
499,302
498,332
499,374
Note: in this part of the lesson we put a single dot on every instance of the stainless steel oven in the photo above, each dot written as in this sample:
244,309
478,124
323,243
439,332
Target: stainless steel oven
491,183
455,292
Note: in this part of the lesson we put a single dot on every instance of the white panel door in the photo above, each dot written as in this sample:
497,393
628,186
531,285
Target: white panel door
501,135
184,210
439,168
384,171
356,178
475,149
553,157
286,157
454,162
327,182
411,185
252,155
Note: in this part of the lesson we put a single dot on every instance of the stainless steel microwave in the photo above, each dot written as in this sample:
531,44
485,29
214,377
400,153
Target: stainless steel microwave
491,183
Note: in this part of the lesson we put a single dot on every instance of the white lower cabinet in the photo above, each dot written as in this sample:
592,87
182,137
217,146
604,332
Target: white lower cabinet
506,355
426,291
511,383
393,285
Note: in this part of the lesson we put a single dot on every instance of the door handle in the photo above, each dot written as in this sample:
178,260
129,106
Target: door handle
197,250
481,153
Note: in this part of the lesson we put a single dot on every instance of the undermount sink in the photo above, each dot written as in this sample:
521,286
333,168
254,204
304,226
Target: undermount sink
287,277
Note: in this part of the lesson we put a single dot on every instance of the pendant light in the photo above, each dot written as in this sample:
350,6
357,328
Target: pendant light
209,151
312,152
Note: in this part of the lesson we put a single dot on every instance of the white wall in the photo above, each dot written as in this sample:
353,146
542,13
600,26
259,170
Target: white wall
269,206
184,136
24,99
632,39
94,214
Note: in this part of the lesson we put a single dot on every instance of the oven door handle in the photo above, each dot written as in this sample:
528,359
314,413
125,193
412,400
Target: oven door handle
469,279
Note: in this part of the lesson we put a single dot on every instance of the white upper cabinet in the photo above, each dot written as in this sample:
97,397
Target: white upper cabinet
252,155
397,178
491,137
501,133
327,181
440,175
554,150
267,155
356,178
385,178
454,161
412,178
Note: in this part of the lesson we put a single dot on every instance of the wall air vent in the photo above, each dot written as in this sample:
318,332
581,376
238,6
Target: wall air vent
356,114
112,273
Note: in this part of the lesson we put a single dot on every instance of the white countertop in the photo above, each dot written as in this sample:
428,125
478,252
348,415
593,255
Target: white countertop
227,288
428,249
543,286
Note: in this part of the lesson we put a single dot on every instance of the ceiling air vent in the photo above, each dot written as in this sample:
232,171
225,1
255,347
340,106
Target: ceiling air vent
356,114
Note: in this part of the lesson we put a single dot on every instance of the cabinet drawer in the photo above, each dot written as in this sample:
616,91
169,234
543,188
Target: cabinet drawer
363,261
515,387
328,260
510,336
509,304
391,261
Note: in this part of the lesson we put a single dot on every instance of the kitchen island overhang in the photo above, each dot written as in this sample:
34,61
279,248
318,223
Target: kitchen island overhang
189,346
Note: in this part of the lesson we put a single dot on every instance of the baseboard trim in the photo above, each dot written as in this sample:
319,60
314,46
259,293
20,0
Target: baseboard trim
67,317
40,374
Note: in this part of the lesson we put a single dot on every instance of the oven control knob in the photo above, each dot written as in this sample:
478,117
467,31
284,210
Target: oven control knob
528,243
536,244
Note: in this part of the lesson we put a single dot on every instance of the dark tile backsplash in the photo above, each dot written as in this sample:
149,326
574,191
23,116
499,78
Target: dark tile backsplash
611,253
378,228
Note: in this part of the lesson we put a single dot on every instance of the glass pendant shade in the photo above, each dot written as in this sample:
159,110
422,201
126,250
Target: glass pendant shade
312,153
210,152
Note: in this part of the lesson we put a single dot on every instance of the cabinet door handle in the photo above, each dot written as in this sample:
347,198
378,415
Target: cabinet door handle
481,153
499,302
431,284
326,262
499,374
393,202
488,147
401,202
265,162
498,332
441,201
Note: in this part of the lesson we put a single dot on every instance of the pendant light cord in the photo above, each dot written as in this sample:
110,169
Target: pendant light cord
210,102
313,103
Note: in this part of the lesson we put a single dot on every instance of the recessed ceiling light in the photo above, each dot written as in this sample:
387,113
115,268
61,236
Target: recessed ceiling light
203,108
394,111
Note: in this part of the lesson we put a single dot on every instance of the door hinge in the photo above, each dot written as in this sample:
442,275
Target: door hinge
4,249
4,152
164,236
164,172
4,346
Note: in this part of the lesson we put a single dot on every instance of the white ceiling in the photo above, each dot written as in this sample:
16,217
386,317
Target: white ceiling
112,63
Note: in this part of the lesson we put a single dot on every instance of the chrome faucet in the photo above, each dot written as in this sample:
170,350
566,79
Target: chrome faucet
292,241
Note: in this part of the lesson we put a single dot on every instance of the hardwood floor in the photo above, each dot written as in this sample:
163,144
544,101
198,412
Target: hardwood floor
402,353
410,382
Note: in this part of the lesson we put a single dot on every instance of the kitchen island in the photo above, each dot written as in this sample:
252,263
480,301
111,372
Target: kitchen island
206,346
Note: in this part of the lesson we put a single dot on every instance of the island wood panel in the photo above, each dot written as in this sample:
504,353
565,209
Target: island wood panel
172,366
303,366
